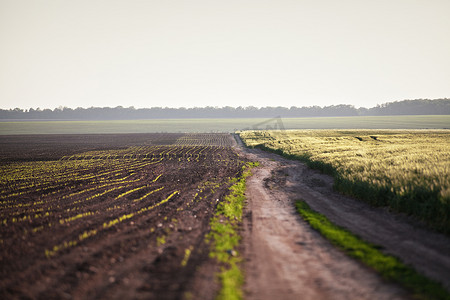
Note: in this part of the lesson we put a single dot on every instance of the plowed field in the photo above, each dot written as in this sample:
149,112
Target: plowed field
111,216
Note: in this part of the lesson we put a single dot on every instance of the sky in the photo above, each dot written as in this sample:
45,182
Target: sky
180,53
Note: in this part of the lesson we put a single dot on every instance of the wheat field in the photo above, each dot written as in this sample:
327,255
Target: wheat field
406,170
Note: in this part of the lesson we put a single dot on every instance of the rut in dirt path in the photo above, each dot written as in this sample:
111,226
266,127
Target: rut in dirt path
286,259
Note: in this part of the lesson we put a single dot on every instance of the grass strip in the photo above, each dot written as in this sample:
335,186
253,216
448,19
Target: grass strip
225,237
389,267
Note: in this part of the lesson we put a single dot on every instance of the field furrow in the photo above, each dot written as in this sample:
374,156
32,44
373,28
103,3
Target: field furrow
130,220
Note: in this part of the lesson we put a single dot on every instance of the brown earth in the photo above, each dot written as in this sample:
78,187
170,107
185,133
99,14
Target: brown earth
38,147
144,256
286,259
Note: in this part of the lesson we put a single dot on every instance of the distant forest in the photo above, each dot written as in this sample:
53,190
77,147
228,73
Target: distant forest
405,107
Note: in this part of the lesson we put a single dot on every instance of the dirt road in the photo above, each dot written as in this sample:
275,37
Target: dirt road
285,259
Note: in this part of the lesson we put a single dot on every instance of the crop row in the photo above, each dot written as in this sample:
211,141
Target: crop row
91,232
151,152
210,139
37,197
36,180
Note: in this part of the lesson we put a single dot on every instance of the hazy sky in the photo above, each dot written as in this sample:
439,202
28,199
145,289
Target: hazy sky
237,53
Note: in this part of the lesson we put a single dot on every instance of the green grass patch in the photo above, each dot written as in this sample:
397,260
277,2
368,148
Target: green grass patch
225,237
387,266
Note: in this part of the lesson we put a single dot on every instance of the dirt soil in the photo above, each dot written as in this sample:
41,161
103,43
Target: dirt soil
286,259
158,254
38,147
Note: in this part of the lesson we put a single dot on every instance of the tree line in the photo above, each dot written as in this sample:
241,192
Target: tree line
405,107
